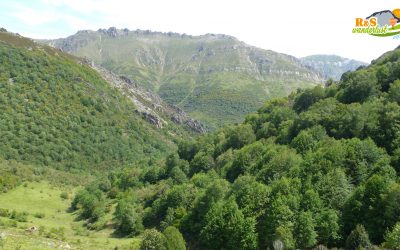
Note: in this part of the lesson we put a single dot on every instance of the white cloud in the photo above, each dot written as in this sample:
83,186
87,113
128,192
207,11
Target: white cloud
82,6
34,17
295,27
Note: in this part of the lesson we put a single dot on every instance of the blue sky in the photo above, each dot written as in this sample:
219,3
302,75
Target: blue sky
293,27
46,19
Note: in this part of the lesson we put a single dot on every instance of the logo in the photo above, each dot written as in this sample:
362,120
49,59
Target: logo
382,24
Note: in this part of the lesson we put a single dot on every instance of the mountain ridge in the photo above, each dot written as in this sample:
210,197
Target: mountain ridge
215,78
330,65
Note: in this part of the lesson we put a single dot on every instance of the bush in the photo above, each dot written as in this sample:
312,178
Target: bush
392,238
129,222
174,239
358,238
64,195
39,215
19,216
153,240
56,233
8,181
4,212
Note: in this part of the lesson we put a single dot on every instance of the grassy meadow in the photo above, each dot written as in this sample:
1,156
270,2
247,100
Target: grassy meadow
47,208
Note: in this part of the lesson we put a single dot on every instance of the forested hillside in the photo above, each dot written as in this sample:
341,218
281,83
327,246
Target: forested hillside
59,112
317,168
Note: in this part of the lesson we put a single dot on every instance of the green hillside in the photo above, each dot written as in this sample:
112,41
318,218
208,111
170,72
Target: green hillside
217,79
318,169
56,111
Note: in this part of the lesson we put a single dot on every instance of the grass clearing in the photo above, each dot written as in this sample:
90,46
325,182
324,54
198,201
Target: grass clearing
57,228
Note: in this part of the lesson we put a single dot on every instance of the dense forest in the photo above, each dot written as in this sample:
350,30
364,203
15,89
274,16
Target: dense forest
317,168
60,113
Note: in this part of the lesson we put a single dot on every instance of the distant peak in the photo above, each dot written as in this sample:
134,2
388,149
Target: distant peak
115,32
329,56
112,31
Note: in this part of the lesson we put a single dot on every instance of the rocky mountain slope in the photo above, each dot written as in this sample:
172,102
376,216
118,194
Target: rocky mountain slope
331,66
216,79
148,104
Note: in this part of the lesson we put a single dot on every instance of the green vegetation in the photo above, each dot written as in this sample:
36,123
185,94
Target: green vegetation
392,238
61,123
174,239
57,228
317,168
216,79
56,112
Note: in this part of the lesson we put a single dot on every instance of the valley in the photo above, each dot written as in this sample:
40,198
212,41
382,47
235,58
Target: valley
120,139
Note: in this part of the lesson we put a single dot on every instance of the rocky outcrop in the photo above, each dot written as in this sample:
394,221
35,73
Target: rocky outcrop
180,117
195,125
153,119
112,31
148,104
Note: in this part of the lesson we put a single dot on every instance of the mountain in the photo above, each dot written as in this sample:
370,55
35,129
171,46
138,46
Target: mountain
60,112
331,66
216,79
318,169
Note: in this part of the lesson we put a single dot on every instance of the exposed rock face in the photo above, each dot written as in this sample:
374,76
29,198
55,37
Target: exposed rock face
153,119
180,117
112,31
148,104
195,125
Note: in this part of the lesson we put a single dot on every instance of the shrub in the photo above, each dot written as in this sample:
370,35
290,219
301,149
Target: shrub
19,216
128,220
4,212
392,238
39,215
153,240
358,238
174,239
56,233
64,195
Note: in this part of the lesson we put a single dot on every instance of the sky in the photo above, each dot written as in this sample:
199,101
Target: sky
294,27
